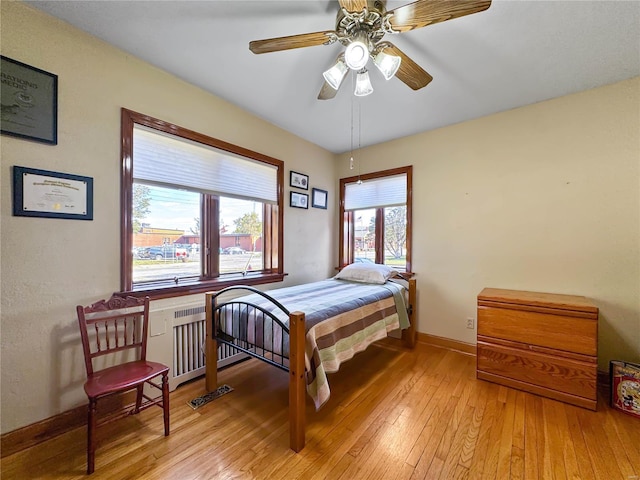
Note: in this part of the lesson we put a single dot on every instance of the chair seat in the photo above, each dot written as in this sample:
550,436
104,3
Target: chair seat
121,377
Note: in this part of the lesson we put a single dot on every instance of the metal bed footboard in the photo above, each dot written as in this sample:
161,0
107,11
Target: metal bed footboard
255,328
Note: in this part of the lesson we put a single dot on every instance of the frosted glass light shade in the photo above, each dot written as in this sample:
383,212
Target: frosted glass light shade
356,55
387,64
363,84
335,75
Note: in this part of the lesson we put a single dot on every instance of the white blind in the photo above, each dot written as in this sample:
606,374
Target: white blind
168,160
378,192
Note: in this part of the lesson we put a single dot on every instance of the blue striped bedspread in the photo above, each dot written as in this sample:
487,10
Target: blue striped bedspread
342,318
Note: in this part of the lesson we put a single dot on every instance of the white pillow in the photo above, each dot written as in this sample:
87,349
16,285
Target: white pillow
366,273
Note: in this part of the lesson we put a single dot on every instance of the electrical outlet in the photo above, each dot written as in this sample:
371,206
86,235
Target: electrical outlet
471,322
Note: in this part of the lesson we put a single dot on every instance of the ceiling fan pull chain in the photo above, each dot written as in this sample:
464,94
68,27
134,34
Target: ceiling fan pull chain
353,83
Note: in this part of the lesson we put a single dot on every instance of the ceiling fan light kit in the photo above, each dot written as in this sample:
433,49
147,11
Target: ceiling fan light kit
357,53
363,84
360,27
335,75
387,64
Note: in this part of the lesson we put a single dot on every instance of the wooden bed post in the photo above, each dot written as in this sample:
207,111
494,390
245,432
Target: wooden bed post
297,384
409,336
211,347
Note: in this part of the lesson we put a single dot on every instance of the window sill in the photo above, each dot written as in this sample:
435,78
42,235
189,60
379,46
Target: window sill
166,290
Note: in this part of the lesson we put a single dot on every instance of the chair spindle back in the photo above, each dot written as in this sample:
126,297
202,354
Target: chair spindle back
117,324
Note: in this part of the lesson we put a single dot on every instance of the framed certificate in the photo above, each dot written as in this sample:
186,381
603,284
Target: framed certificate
41,193
319,198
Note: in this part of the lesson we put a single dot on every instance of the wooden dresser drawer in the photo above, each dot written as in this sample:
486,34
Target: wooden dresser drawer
550,372
543,343
573,334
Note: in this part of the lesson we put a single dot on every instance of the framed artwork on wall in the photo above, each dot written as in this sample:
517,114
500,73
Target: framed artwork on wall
29,102
299,180
319,198
299,200
42,193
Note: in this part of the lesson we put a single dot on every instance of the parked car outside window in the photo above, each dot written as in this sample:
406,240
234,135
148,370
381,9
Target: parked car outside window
233,251
166,252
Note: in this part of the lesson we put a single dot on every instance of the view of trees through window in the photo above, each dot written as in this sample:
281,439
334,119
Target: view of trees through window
394,235
166,228
375,209
197,213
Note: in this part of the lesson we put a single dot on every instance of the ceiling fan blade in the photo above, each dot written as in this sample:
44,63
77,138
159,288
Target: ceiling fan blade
353,5
427,12
327,92
409,72
290,42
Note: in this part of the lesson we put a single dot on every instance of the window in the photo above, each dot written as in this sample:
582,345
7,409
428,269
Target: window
197,213
376,213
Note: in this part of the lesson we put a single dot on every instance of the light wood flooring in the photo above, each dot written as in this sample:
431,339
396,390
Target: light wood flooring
393,414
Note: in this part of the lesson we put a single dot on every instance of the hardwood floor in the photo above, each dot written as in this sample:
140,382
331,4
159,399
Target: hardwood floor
393,414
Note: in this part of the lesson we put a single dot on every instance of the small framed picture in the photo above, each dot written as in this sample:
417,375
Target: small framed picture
318,198
299,200
299,180
29,102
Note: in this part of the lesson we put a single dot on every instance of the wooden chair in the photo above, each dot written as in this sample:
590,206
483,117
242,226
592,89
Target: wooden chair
118,328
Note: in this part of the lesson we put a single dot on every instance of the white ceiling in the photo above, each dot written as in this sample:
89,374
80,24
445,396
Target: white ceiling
514,54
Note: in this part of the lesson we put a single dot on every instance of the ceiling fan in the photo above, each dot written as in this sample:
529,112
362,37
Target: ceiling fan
360,27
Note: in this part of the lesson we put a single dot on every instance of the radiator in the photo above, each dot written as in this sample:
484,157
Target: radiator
187,334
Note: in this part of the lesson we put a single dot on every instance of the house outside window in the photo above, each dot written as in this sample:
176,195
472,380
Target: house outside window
197,213
376,218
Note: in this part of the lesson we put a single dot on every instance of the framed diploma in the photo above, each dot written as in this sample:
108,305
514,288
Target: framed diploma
41,193
319,198
29,102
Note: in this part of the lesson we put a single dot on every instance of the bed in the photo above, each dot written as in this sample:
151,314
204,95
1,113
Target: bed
309,330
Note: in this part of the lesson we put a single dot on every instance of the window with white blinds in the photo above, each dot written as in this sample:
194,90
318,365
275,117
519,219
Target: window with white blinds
197,213
166,160
375,193
376,215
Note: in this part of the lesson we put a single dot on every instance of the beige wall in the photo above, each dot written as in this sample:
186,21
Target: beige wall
543,198
49,265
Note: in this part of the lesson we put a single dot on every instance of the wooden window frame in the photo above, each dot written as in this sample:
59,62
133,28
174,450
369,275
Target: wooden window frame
210,278
346,246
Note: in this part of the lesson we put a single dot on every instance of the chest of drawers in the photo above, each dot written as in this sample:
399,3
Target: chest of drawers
541,343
